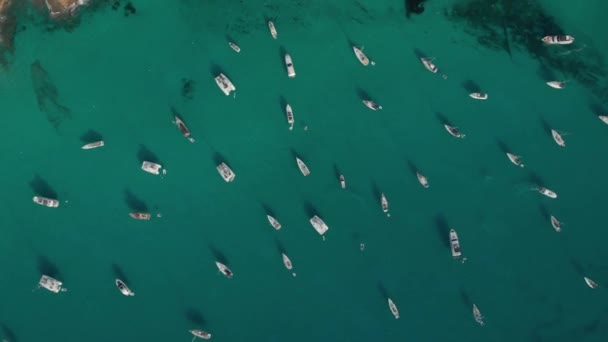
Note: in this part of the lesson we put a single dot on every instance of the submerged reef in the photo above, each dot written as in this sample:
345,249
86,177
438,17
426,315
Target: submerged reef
414,7
47,96
8,25
520,24
61,9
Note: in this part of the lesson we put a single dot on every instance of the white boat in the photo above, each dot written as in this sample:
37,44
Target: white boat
592,284
547,192
479,96
234,47
274,222
51,284
556,224
224,83
384,203
477,315
291,71
515,159
303,168
559,140
183,128
342,182
393,308
201,334
454,131
224,269
273,30
140,216
428,64
226,173
290,119
122,287
455,244
557,84
361,56
558,40
604,118
151,167
371,105
92,145
287,262
47,202
422,179
318,225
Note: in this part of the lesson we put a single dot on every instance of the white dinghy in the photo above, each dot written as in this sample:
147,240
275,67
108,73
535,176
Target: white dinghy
453,131
556,84
290,118
384,203
372,105
234,47
559,140
362,57
604,118
479,96
515,159
428,64
547,192
274,222
291,71
556,224
122,287
592,284
273,30
92,145
558,40
422,179
455,244
477,315
393,308
342,182
224,269
200,334
183,128
287,263
225,84
303,168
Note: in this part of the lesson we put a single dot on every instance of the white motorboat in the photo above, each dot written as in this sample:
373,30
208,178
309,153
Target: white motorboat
51,284
477,315
479,96
422,179
318,225
558,40
384,203
291,71
428,64
274,222
140,216
342,182
604,118
47,202
556,224
183,128
303,168
92,145
234,47
361,56
287,262
592,284
393,308
226,172
556,84
371,105
515,159
290,118
122,287
200,334
559,140
273,30
454,131
151,167
455,244
224,269
224,83
547,192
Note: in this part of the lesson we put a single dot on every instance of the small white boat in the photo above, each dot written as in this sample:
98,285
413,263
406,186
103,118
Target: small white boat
479,96
51,284
318,225
47,202
556,224
422,179
558,40
291,71
557,84
515,159
224,83
371,105
274,222
140,216
477,315
592,284
226,173
93,145
303,168
558,138
342,182
290,119
287,262
604,118
428,64
393,308
224,269
273,30
122,287
151,167
201,334
361,56
234,47
455,244
183,128
384,203
547,192
454,131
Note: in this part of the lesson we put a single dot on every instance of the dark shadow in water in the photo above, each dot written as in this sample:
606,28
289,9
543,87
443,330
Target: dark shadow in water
195,317
546,74
443,119
376,192
229,38
215,69
219,158
502,146
578,267
382,290
134,203
119,274
337,172
597,109
279,246
362,94
535,179
419,53
282,53
8,333
350,43
412,167
545,125
310,209
414,7
48,96
544,212
268,210
90,136
283,104
188,87
41,188
443,230
47,267
218,255
471,87
295,155
175,113
144,154
466,300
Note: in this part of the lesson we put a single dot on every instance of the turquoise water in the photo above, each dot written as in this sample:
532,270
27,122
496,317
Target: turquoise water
120,76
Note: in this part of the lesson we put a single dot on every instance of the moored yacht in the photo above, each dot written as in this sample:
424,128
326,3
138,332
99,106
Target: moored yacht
140,216
422,179
546,192
47,202
286,261
556,224
224,269
291,71
479,96
372,105
226,172
183,128
384,203
224,83
92,145
122,287
477,315
234,47
455,244
558,40
557,84
151,167
453,131
318,225
273,222
273,29
361,56
393,308
303,168
200,334
559,140
592,284
290,118
515,159
342,182
428,64
604,118
51,284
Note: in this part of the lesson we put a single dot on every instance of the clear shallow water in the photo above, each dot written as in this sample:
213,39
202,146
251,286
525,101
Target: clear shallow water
121,76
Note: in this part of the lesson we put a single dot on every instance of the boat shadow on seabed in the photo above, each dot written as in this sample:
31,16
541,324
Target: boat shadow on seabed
134,203
42,188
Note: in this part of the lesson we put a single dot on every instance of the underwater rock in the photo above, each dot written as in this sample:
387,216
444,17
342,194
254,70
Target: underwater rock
47,96
8,26
59,9
130,9
188,88
414,6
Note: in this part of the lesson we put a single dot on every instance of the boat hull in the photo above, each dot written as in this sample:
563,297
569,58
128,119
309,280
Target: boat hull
455,244
93,145
361,56
291,71
46,202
